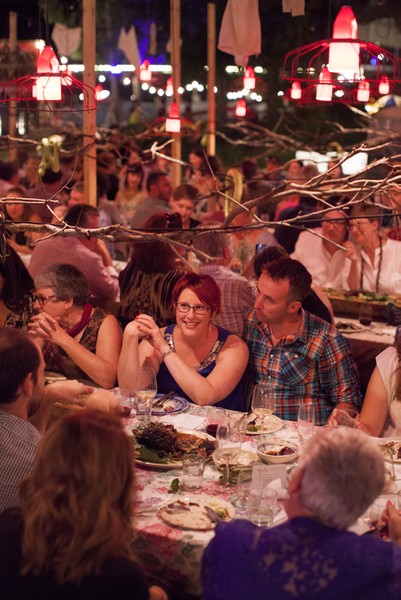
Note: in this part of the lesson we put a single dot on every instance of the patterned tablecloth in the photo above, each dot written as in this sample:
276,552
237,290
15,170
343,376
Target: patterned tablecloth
172,556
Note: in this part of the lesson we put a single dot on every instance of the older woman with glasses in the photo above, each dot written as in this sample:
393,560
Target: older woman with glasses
195,358
375,260
80,341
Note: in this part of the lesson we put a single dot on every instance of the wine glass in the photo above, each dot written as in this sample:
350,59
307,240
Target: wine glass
228,447
215,416
263,402
146,388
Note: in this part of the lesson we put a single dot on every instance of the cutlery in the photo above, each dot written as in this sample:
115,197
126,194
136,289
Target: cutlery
160,401
212,514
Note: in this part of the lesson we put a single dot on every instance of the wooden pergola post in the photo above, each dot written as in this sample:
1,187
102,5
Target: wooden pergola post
211,78
12,111
175,35
89,117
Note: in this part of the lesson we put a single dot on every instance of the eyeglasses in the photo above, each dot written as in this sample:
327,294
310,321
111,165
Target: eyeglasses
43,300
199,309
337,222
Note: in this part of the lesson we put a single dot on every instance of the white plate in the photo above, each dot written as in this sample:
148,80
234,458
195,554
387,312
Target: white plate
196,517
177,404
171,464
52,376
272,424
390,449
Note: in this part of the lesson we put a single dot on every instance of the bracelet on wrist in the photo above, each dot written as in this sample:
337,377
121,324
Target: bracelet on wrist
167,352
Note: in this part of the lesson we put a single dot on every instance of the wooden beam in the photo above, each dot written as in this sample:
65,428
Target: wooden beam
89,117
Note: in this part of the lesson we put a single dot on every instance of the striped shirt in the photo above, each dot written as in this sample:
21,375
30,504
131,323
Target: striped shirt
18,444
314,364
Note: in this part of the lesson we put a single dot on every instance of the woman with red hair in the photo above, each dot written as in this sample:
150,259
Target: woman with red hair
195,358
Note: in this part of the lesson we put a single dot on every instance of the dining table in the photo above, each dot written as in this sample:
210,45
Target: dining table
169,555
366,342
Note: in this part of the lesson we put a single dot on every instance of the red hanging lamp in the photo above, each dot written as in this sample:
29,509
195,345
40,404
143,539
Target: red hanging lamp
173,121
363,93
324,89
145,74
344,56
249,80
47,87
240,109
296,91
384,86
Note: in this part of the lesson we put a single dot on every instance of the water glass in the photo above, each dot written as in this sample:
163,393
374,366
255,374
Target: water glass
237,424
125,401
243,491
143,408
306,421
262,506
193,467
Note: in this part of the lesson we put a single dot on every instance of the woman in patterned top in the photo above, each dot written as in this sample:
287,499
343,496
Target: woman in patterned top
16,292
81,342
147,282
198,360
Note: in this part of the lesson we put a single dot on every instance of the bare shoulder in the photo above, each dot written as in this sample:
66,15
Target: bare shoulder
235,343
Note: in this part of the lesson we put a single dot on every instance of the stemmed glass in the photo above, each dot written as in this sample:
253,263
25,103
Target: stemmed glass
263,402
146,385
229,446
145,392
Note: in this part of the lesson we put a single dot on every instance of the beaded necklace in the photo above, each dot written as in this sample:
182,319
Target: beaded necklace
379,267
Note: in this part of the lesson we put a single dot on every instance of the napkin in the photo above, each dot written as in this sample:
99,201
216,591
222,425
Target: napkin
276,485
184,421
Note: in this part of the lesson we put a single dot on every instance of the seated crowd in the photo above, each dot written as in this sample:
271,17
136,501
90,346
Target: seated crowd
210,334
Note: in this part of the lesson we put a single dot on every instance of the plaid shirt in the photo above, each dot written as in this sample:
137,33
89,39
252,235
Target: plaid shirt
18,443
315,364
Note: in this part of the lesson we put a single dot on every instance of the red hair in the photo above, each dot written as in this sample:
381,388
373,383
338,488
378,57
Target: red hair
203,286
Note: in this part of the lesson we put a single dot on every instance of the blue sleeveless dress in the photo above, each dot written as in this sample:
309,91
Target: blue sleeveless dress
165,382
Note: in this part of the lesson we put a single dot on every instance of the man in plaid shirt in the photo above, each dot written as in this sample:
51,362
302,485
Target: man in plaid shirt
303,357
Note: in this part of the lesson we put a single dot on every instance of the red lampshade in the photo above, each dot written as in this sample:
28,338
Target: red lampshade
384,86
363,93
324,89
169,87
47,88
173,121
344,56
249,79
296,91
145,74
240,109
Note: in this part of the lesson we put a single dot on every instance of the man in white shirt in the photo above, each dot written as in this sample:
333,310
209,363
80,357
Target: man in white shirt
324,258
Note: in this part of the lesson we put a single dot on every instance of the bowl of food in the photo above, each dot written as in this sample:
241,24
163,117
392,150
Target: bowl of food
277,451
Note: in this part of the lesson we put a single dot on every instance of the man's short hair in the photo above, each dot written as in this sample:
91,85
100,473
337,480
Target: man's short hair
298,276
266,256
343,474
78,215
18,357
153,178
187,191
212,243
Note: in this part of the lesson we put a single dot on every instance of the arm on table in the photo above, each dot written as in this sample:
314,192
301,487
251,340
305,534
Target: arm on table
100,366
67,392
375,406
